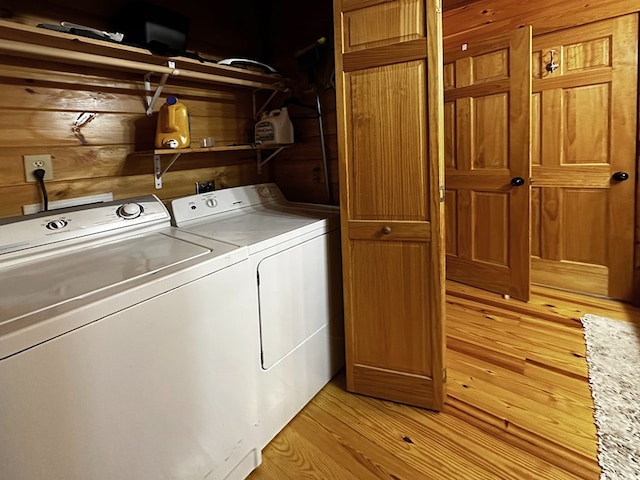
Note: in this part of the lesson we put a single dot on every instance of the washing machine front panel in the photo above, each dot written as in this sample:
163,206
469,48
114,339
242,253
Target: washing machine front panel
162,389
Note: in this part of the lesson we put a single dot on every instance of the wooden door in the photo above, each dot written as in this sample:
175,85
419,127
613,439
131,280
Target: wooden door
584,131
487,88
389,102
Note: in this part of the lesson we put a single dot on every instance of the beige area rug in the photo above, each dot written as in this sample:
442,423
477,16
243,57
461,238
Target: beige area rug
613,356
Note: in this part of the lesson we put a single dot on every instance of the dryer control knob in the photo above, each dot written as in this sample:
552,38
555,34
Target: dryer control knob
211,203
129,210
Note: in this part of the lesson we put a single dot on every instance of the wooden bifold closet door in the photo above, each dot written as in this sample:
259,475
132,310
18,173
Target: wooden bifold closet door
389,98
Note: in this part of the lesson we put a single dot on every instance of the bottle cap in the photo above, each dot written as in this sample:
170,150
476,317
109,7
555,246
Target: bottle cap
172,100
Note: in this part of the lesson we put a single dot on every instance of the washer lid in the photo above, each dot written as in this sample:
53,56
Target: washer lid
37,285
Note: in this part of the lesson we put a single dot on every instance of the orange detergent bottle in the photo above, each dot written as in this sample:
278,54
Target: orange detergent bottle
173,128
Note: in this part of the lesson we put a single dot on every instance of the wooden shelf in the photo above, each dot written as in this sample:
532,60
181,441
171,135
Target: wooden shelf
173,151
158,153
25,41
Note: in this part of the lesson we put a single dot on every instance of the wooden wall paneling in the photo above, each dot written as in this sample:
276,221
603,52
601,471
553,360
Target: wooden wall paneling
303,180
300,174
486,18
176,184
40,101
299,169
306,124
72,163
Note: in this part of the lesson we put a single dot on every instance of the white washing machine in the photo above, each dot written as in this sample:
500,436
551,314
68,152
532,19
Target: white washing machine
125,349
294,252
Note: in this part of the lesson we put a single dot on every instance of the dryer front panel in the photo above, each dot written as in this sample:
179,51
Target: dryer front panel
298,296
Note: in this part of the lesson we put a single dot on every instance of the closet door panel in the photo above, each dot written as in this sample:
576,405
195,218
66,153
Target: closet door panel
382,23
390,278
387,125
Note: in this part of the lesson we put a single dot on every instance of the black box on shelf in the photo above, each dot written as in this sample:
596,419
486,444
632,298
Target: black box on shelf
159,29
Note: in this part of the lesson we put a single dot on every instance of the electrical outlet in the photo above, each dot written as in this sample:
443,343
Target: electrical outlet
34,162
203,187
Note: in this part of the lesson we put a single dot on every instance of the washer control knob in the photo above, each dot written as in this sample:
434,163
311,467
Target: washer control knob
56,224
129,210
211,203
264,191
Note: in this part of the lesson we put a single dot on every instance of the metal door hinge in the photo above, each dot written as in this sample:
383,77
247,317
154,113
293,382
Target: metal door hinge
441,193
438,6
444,375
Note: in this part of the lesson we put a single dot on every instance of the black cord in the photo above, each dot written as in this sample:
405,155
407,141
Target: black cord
39,174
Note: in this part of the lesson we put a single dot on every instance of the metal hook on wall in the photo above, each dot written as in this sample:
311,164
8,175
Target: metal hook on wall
552,66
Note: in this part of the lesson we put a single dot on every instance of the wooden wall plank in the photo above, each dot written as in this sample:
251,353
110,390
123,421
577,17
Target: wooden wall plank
74,163
299,170
486,18
176,183
39,103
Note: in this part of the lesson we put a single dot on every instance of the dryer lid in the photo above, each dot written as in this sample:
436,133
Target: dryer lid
260,227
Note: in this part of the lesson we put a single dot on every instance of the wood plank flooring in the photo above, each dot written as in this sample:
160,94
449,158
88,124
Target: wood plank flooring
518,403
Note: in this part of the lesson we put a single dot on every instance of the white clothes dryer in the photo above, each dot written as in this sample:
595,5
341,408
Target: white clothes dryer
294,253
126,351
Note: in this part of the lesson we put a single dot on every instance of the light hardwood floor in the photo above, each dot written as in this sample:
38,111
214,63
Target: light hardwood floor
518,404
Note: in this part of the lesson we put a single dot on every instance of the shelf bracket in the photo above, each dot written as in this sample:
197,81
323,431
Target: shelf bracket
157,168
256,111
151,99
261,162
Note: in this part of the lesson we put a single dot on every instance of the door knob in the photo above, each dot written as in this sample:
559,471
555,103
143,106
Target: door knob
517,181
620,176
